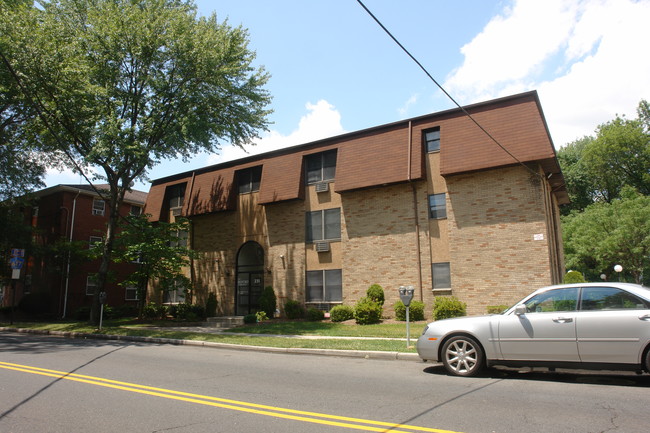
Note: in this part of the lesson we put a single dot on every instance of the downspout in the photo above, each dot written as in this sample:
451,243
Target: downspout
415,211
67,272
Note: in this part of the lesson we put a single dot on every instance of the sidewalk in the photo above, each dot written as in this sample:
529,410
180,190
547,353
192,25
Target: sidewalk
298,351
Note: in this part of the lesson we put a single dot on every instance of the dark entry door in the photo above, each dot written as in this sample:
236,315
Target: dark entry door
249,288
250,278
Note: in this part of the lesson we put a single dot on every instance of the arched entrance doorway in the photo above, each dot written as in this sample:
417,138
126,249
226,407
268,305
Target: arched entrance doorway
250,278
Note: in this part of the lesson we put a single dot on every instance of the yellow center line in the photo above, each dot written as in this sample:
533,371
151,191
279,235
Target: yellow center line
241,406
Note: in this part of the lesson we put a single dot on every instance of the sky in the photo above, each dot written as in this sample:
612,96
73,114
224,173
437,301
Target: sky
334,70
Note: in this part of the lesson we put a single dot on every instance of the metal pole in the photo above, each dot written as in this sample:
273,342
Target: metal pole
13,300
408,329
101,315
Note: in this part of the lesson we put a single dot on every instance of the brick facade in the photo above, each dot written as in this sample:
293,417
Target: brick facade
500,237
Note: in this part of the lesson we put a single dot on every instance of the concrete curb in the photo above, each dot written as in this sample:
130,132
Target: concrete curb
394,356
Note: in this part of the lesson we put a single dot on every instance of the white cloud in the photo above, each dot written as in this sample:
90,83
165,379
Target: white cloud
321,121
404,109
585,57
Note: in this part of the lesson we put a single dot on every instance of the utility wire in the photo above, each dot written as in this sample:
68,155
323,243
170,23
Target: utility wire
443,89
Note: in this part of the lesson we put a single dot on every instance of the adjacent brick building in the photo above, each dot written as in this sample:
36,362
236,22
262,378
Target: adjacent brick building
431,202
75,213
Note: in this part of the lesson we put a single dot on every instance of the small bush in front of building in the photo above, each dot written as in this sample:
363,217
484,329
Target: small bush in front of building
211,305
376,293
267,301
445,307
496,309
294,310
154,311
315,315
82,314
341,313
367,311
188,312
261,316
250,318
572,277
416,311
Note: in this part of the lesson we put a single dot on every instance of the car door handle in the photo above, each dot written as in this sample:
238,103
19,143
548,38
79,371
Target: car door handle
563,320
645,318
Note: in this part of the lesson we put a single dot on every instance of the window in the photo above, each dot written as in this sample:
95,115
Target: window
437,206
135,210
432,140
553,300
98,207
131,293
321,167
174,293
180,240
323,225
324,286
175,195
91,284
94,241
249,179
441,275
610,298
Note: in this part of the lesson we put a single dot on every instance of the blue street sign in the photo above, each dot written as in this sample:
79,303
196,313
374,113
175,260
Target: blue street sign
17,262
17,252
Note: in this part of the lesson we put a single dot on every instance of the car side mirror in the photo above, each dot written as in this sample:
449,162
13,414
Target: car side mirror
520,309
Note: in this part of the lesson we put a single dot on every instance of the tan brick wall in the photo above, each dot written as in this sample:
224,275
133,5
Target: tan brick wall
498,237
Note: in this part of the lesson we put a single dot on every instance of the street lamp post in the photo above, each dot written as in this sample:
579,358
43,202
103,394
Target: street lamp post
618,269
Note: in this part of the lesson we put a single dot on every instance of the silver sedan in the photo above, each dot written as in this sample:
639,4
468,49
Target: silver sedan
590,325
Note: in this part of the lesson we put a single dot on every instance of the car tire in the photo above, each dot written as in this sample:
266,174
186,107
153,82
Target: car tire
646,359
463,356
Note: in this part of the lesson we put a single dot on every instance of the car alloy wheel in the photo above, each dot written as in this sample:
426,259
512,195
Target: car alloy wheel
462,356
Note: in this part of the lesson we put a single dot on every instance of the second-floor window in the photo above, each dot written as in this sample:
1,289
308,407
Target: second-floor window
437,206
175,195
99,207
432,140
321,167
323,225
249,179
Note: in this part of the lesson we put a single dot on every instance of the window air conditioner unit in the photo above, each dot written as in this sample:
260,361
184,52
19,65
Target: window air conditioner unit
176,211
322,246
322,187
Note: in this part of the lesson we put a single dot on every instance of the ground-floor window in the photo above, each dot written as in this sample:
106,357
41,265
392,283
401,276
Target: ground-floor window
441,275
131,293
175,294
324,286
91,284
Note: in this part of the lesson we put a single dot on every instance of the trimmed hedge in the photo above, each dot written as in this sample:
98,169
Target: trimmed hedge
341,313
416,310
445,307
367,311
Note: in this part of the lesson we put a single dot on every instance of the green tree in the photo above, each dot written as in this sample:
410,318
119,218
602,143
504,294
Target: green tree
607,234
579,182
118,85
158,249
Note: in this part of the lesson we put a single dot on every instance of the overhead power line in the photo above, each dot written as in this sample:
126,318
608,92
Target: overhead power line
443,89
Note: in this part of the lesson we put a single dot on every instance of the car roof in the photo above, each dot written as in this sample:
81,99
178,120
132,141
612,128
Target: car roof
630,287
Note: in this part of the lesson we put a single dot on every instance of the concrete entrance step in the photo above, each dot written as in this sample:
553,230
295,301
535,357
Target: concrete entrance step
224,322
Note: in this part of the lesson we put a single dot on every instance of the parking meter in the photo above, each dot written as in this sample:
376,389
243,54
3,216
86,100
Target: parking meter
406,294
102,297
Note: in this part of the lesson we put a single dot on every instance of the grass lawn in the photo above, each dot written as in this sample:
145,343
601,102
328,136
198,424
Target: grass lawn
389,333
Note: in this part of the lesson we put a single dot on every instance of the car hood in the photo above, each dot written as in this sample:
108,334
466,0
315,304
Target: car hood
467,323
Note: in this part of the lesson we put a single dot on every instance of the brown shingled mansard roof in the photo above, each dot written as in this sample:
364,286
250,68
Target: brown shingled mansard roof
384,155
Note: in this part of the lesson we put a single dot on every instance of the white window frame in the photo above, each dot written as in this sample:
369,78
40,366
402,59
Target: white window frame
91,284
130,289
96,207
325,293
321,237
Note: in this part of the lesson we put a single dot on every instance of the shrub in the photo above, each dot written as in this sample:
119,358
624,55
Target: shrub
267,301
261,316
314,314
416,310
341,313
376,293
497,309
367,311
211,305
573,277
294,310
82,314
445,307
154,311
250,318
188,312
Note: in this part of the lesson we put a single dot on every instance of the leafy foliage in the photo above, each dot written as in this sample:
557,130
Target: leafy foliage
114,86
572,277
314,314
294,309
376,293
416,310
268,302
367,311
341,313
445,307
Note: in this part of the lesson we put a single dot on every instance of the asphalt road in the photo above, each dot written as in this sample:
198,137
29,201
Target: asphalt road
52,384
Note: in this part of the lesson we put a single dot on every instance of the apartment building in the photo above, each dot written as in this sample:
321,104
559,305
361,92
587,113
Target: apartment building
432,202
78,214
